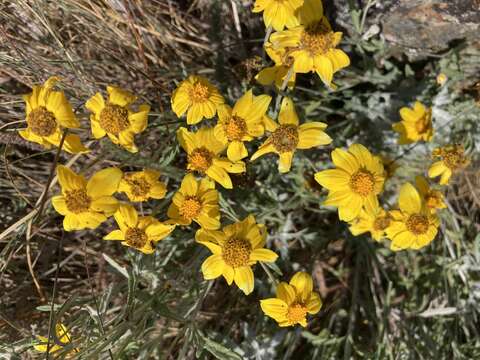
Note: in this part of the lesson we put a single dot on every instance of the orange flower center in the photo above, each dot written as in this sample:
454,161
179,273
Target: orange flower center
236,252
317,39
362,182
136,237
285,138
296,313
41,122
139,186
235,128
190,208
453,156
198,93
200,159
381,223
77,201
114,119
417,224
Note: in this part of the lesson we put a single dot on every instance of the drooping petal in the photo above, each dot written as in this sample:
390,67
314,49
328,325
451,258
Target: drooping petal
285,161
244,279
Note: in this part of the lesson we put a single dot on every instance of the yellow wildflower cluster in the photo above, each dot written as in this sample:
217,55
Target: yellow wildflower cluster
303,42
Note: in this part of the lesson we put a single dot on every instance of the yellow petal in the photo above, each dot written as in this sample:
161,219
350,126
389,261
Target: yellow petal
409,200
236,150
186,139
119,96
69,180
335,179
97,130
311,135
286,292
274,307
265,148
73,145
105,204
60,205
139,120
303,284
314,303
95,104
208,222
158,231
126,216
350,208
285,161
104,182
213,267
339,59
244,279
303,61
115,235
324,69
436,169
220,175
344,160
288,115
264,255
58,104
189,186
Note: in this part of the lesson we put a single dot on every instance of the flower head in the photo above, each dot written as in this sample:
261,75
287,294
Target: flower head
358,180
278,13
138,232
312,45
86,204
242,123
196,201
452,160
196,97
414,225
293,302
235,249
203,149
64,339
142,185
48,112
373,219
432,198
289,135
116,118
277,73
416,124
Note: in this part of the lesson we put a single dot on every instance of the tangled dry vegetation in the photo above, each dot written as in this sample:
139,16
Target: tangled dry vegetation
122,304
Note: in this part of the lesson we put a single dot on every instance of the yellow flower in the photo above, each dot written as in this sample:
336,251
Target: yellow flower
242,123
116,118
441,79
293,302
86,204
63,337
452,160
277,73
416,124
358,180
47,112
141,233
197,201
433,198
372,219
414,225
142,185
235,249
278,13
203,150
197,97
288,135
312,45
